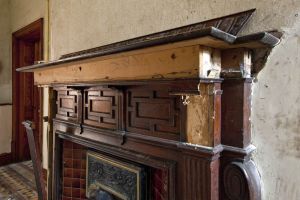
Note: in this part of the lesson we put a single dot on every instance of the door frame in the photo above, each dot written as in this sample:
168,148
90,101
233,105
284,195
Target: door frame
32,31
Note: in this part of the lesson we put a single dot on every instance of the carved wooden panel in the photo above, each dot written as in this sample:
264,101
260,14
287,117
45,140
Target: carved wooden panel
102,107
153,112
68,104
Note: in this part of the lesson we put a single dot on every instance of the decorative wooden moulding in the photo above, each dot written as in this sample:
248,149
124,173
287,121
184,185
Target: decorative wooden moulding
162,110
102,107
68,104
157,100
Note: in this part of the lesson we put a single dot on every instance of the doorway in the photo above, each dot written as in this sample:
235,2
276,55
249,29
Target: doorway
27,48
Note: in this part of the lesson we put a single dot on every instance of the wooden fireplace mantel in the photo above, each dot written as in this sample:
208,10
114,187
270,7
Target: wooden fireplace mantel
195,54
177,100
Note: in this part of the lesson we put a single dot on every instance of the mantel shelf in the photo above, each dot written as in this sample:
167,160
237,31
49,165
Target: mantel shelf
196,54
201,50
210,37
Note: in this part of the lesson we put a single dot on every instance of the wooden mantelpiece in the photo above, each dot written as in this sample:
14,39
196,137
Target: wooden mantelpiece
178,101
199,56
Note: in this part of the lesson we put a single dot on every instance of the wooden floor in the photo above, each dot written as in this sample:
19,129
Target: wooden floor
17,182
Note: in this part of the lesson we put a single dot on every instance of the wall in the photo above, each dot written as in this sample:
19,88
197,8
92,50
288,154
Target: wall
276,119
5,131
14,14
5,77
5,49
24,12
78,25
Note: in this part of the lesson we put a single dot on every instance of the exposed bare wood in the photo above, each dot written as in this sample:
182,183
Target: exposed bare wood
203,116
184,62
210,37
236,63
210,62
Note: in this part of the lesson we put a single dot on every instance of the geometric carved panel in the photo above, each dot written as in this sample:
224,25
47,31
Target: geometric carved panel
68,104
153,112
102,107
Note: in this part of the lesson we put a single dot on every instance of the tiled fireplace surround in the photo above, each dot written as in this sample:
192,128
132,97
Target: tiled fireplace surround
74,175
74,171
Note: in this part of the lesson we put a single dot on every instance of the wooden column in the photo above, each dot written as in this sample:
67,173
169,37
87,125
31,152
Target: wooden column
239,176
236,110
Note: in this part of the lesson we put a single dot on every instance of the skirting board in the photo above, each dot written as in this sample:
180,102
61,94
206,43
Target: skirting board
5,159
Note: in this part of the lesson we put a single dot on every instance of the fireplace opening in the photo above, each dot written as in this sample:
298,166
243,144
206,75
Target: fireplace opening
107,176
88,174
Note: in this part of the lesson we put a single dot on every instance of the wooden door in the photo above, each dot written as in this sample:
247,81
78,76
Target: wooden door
27,98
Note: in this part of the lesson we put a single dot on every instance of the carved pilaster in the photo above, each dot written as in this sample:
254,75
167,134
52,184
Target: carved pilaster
239,178
236,110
